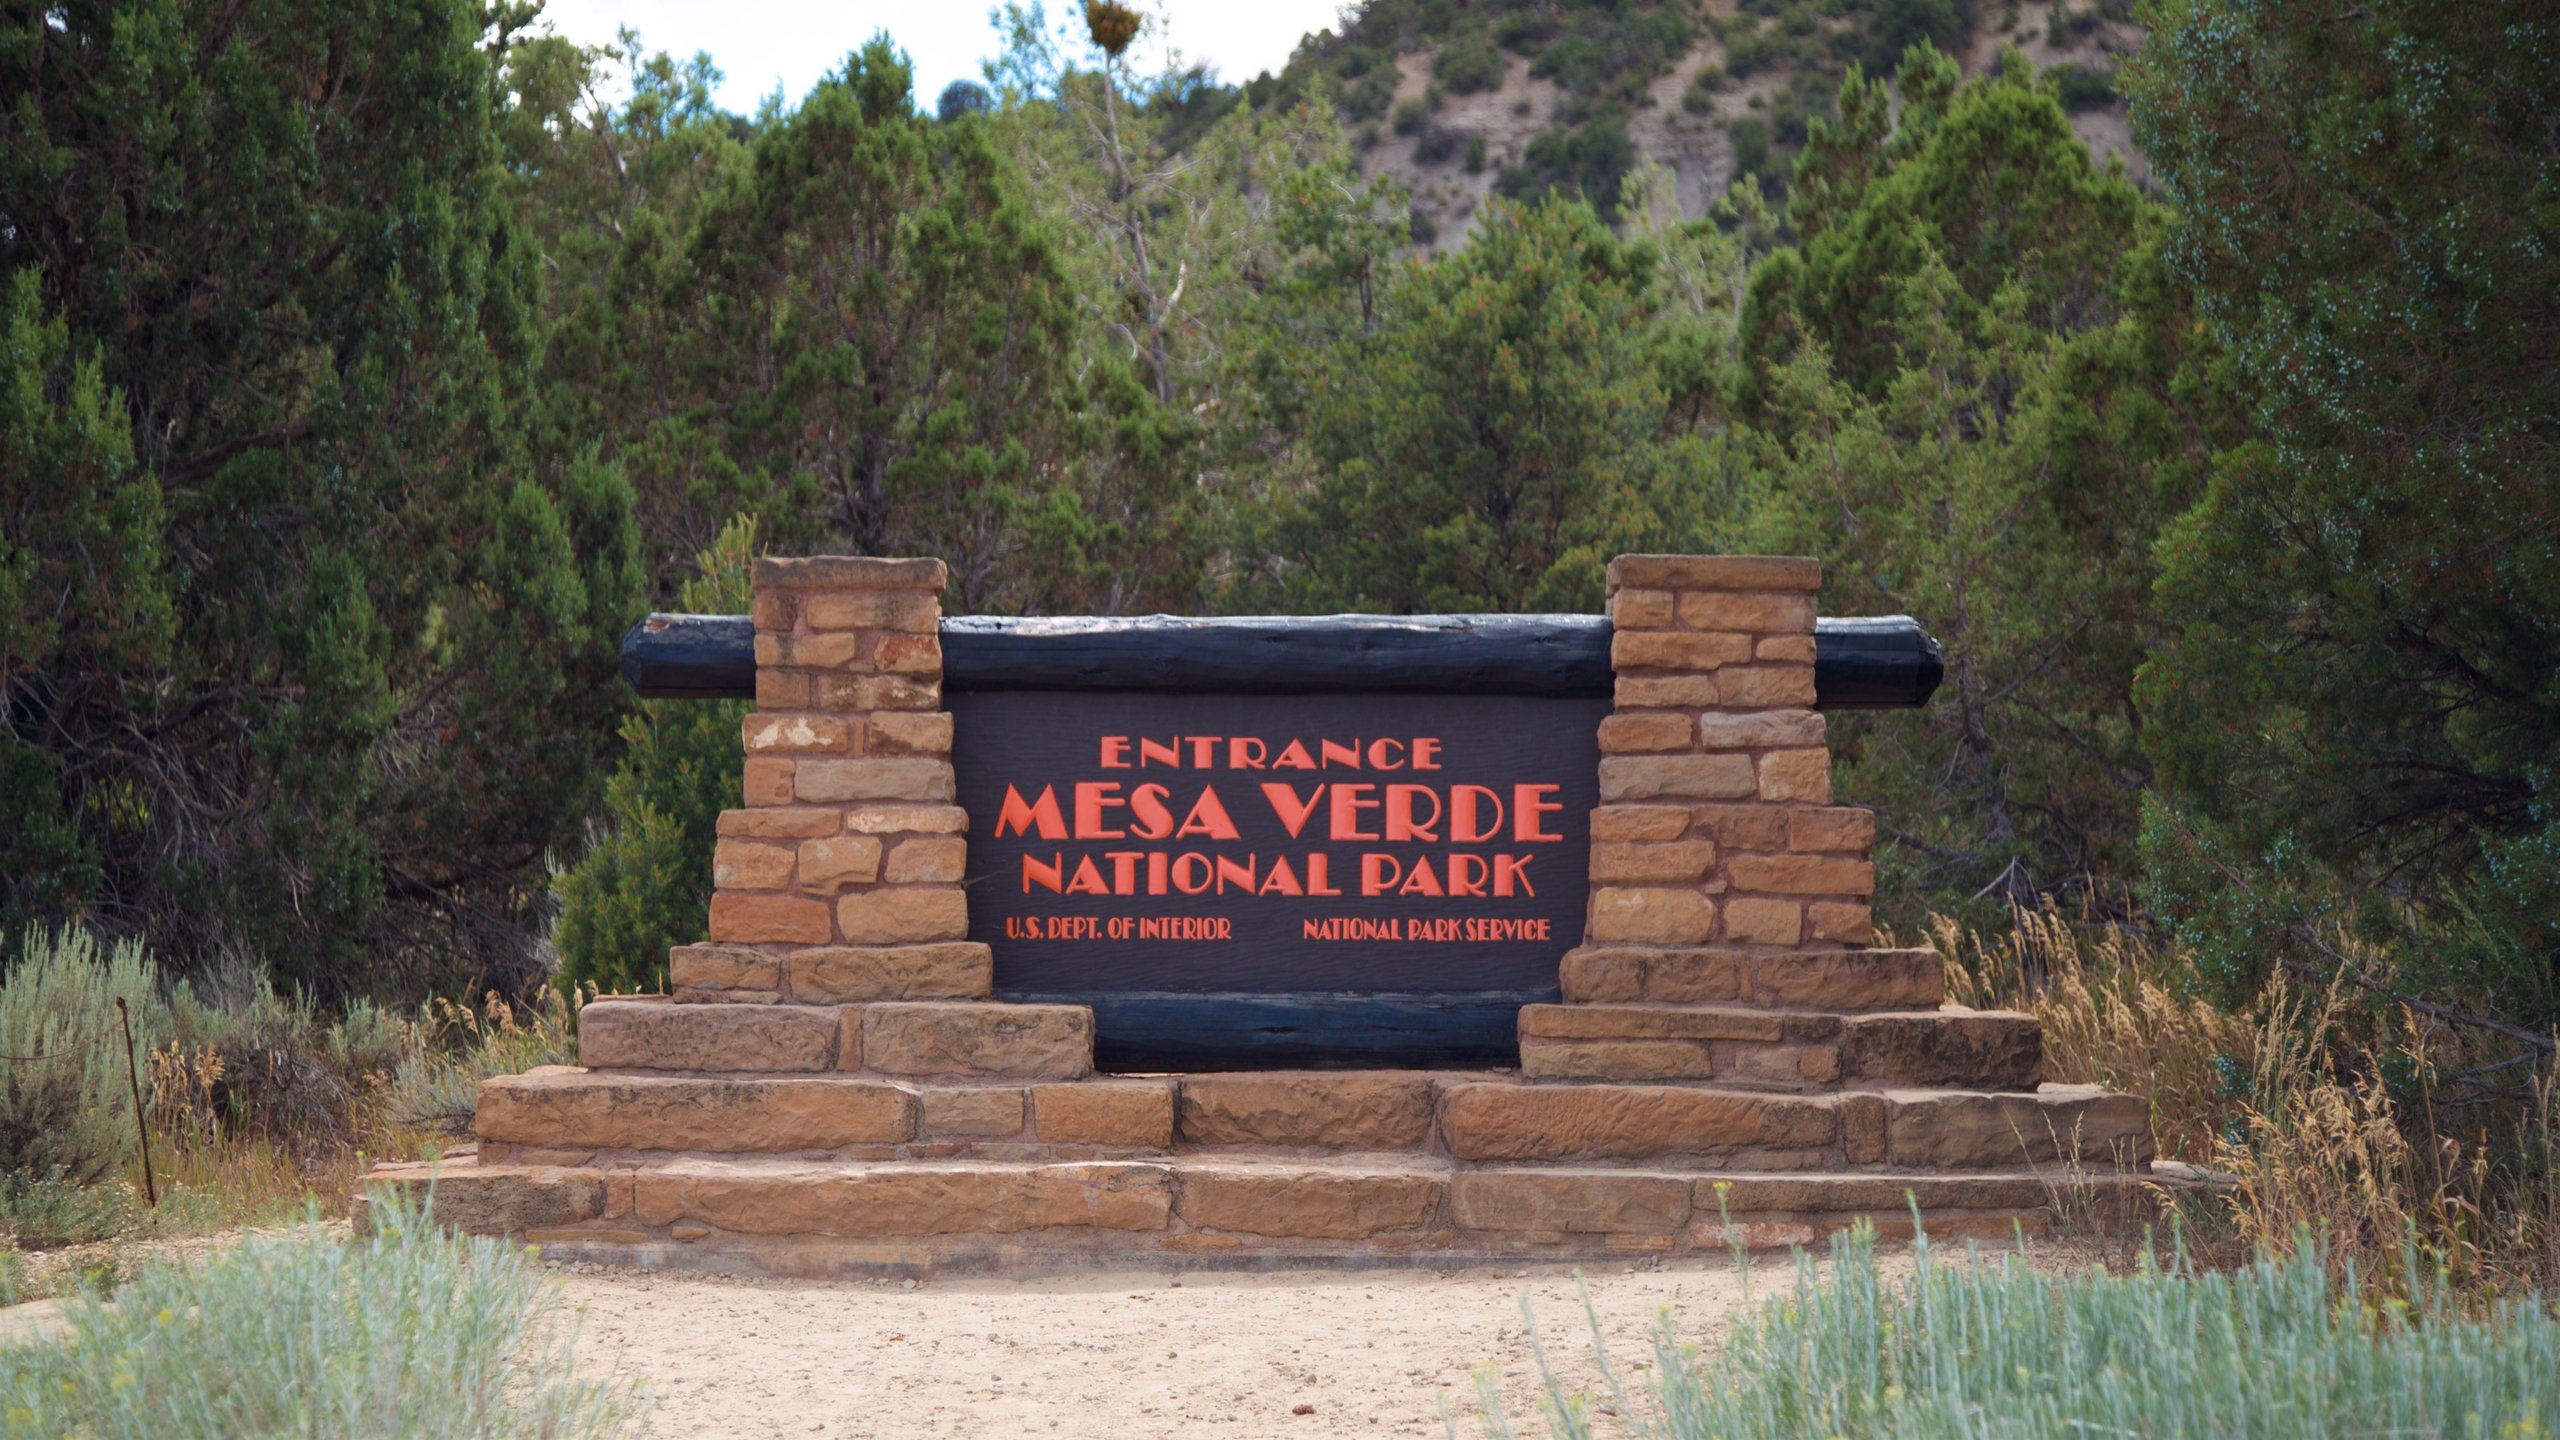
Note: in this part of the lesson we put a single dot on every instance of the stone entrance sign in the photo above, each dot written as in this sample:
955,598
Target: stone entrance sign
1257,942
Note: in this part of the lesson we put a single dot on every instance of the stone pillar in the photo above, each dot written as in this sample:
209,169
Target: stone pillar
838,882
848,834
1716,824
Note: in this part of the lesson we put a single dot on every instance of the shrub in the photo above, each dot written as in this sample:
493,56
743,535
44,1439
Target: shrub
1525,29
1369,96
1751,153
66,1106
2083,87
1437,145
1700,97
645,883
1591,161
1475,154
1411,115
410,1332
1991,1349
1468,64
1748,51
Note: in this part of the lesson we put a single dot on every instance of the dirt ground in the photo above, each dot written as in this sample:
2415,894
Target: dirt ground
1128,1356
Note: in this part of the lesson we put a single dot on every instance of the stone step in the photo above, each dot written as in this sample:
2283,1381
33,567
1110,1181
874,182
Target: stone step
565,1115
831,974
1797,1049
920,1038
1497,1122
909,1216
1801,979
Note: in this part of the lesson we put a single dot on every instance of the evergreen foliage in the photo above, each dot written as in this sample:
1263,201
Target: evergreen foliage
1497,437
644,882
302,653
1972,391
2358,701
366,369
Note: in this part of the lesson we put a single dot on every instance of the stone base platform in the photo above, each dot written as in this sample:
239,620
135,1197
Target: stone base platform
830,1173
921,1218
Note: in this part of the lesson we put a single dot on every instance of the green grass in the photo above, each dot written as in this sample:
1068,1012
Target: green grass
1989,1348
411,1332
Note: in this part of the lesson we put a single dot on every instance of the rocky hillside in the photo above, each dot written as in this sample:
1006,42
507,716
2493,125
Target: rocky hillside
1460,100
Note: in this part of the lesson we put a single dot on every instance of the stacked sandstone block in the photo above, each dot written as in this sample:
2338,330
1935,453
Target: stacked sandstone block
1728,893
838,901
1716,820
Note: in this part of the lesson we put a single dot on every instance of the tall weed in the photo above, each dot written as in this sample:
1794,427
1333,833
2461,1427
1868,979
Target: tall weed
452,1048
2326,1111
412,1332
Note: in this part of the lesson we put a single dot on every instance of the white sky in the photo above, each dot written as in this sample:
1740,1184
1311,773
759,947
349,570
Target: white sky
758,43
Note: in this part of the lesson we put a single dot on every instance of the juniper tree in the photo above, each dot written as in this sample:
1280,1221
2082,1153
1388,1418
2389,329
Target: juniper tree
2360,700
1976,394
302,656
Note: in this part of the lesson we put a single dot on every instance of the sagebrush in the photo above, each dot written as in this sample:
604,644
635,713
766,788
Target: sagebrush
409,1332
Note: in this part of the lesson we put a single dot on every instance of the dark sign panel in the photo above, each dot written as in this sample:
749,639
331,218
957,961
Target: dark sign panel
1253,845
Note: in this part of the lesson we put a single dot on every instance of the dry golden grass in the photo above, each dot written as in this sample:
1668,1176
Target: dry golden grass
2326,1113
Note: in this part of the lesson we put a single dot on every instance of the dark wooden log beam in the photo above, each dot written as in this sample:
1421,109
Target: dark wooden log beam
1879,663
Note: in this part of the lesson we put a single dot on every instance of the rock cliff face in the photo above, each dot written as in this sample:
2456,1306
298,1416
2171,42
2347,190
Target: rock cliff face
1460,102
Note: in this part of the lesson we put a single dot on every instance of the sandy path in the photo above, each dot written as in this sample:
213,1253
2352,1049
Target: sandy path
1123,1356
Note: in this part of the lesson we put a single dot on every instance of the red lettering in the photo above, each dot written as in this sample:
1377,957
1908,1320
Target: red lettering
1238,871
1240,757
1401,824
1124,870
1151,752
1426,754
1088,880
1155,872
1204,749
1294,758
1281,880
1048,874
1346,809
1335,751
1092,798
1463,802
1467,874
1380,750
1526,807
1209,817
1182,872
1115,752
1510,871
1379,873
1152,820
1021,818
1285,803
1421,881
1317,865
